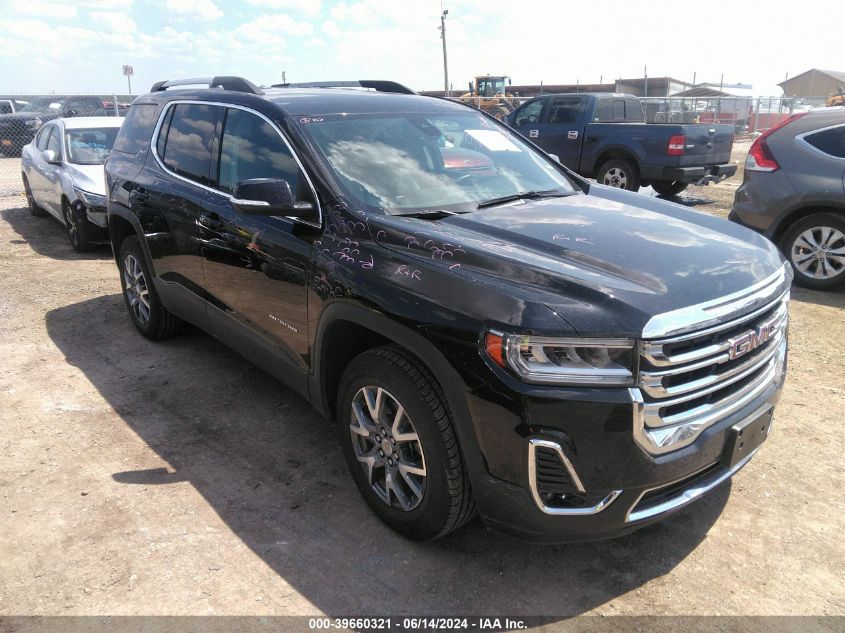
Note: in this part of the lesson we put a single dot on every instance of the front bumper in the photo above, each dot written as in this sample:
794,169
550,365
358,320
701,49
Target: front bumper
704,174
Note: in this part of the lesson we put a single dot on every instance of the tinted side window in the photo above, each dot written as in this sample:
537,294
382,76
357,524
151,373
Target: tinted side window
5,107
565,110
187,149
830,141
530,113
137,128
633,111
604,111
43,137
252,148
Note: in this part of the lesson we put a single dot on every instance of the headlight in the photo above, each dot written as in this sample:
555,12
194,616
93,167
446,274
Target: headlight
564,361
90,199
35,123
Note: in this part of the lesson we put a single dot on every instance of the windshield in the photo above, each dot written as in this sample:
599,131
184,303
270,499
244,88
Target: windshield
491,86
90,146
409,163
44,104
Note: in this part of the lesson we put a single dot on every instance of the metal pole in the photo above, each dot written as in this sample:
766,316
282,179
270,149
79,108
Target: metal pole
284,77
116,113
445,63
645,81
129,82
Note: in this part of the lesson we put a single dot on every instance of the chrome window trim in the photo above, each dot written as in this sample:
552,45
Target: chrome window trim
802,140
175,102
688,495
708,313
602,505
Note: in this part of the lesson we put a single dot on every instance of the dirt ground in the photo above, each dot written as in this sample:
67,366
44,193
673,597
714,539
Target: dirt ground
175,478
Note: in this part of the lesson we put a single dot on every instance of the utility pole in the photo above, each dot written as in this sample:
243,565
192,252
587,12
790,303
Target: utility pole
645,81
445,64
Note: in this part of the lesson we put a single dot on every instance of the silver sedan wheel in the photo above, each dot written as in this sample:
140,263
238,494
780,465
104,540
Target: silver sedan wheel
388,447
135,287
819,252
615,177
72,224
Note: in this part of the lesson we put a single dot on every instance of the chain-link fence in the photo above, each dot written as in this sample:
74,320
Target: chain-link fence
22,116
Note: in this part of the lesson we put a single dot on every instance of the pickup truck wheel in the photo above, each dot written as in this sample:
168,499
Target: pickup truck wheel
619,173
400,445
815,246
34,209
145,308
669,187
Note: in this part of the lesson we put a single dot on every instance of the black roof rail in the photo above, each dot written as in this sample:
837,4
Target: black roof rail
379,85
237,84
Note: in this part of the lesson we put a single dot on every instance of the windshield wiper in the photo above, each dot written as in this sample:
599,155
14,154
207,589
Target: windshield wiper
523,195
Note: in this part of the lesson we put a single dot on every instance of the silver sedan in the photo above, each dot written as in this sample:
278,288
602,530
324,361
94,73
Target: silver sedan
63,175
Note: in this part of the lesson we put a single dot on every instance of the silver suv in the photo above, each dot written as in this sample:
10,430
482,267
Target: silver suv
793,192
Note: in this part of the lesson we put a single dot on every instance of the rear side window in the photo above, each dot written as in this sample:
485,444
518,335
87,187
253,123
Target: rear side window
137,128
633,111
252,148
618,110
187,148
604,111
5,107
830,141
565,110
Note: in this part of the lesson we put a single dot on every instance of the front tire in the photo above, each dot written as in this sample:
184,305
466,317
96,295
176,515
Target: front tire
146,310
815,246
669,188
77,228
619,173
400,445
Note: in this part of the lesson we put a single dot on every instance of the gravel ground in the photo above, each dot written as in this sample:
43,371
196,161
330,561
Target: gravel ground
175,478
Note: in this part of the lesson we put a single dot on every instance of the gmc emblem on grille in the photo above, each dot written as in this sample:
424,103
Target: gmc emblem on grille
751,340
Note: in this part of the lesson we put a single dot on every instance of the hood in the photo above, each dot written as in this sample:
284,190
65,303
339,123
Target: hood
604,262
18,117
88,177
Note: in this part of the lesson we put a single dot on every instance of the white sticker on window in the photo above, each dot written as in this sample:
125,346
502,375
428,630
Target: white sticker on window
493,140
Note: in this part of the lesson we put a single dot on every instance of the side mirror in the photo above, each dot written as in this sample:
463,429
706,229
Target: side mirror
270,196
555,157
51,157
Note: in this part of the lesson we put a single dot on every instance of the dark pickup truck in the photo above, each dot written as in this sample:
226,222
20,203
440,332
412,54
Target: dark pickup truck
605,136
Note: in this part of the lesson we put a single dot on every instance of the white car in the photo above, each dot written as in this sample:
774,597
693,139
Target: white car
63,175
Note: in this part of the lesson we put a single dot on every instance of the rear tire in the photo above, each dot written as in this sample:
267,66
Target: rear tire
146,310
619,173
34,209
408,466
815,246
668,188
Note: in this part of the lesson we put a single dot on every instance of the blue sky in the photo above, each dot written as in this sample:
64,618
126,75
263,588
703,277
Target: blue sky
80,46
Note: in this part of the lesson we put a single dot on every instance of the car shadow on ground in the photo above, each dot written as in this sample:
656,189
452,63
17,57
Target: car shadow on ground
272,469
829,298
46,236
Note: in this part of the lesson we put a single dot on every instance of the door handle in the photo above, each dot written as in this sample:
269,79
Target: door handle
139,195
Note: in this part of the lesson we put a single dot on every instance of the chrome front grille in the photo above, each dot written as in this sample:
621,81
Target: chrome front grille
689,381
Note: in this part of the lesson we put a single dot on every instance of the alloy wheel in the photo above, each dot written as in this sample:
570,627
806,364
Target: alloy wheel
72,225
819,252
388,448
615,177
135,287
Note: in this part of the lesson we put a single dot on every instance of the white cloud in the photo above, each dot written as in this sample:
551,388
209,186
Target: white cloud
105,5
116,22
331,28
203,9
305,7
43,9
269,32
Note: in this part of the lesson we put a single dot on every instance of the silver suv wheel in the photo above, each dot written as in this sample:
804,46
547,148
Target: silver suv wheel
819,252
135,287
388,448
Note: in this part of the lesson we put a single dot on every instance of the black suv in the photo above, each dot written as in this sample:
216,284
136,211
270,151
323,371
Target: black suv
491,332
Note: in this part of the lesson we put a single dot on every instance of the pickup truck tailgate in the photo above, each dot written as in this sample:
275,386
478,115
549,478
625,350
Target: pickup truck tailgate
708,144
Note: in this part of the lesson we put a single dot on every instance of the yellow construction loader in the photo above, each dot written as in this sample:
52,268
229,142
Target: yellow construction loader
489,93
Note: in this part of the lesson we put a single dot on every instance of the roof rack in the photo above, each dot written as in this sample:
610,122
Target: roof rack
237,84
379,85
